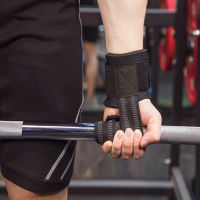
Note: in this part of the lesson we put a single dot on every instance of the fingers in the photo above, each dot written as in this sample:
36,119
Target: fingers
107,147
127,146
132,144
138,152
117,144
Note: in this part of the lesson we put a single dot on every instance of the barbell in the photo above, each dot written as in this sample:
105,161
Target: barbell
88,132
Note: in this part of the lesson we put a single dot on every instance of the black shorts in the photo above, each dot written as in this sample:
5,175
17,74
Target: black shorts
40,81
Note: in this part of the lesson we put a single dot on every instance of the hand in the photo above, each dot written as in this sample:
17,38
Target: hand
130,143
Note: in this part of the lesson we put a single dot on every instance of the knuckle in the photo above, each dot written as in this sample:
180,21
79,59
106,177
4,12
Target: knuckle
115,156
156,138
106,151
137,156
116,147
126,145
158,115
127,154
104,146
136,145
126,157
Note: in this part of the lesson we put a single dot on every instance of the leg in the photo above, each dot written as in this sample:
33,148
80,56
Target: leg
37,169
17,193
91,68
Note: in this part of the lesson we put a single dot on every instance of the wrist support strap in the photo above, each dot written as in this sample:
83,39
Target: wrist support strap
127,78
105,130
112,101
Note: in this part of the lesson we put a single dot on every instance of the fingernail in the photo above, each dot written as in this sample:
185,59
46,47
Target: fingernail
119,136
138,131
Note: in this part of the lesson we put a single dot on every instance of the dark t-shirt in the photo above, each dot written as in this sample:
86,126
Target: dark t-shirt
40,60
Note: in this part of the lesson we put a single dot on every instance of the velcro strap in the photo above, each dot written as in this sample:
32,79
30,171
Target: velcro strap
130,113
123,78
126,58
113,103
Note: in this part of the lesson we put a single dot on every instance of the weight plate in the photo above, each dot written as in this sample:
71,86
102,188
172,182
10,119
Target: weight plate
190,71
166,49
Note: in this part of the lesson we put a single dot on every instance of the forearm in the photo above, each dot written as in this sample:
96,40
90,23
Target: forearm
123,22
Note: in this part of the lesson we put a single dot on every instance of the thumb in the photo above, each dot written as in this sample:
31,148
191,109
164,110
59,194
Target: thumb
152,135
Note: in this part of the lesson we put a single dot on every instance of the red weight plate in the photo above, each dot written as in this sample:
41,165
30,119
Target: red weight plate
166,49
190,71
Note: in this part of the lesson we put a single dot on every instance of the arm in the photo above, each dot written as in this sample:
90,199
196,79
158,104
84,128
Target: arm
123,22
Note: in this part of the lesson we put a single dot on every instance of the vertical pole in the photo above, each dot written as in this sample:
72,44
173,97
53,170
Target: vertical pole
153,39
181,48
155,35
197,177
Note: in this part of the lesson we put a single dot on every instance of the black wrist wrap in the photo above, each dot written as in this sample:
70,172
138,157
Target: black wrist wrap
138,60
112,101
127,78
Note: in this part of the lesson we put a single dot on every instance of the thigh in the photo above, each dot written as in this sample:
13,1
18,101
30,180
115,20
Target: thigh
38,166
40,81
17,193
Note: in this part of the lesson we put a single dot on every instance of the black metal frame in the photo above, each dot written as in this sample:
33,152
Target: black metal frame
154,17
181,50
197,178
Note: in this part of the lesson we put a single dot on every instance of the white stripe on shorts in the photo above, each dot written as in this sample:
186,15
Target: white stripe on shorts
53,168
69,164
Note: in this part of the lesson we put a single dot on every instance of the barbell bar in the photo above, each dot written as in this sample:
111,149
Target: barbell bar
86,132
